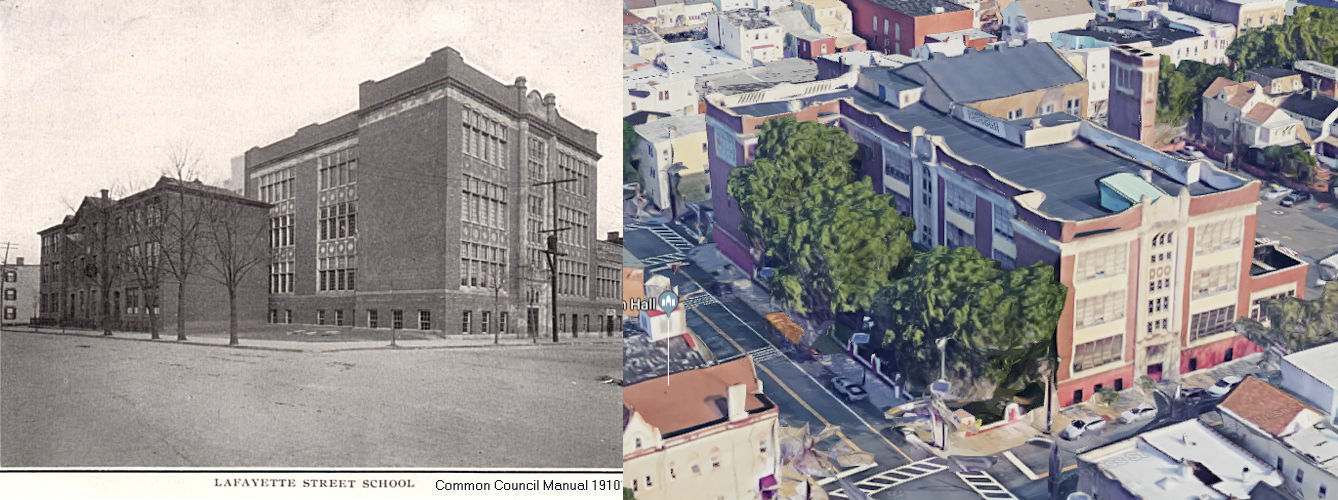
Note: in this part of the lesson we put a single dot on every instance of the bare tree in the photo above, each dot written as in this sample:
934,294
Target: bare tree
182,226
95,247
496,280
234,245
141,225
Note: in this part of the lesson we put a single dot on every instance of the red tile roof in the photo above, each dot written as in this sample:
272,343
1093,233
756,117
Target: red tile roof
694,397
1264,405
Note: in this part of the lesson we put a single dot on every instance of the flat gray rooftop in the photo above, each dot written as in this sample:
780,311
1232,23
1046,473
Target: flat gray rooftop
789,70
1067,173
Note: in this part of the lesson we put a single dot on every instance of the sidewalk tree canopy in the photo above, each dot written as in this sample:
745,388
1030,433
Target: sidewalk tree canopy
1180,88
834,241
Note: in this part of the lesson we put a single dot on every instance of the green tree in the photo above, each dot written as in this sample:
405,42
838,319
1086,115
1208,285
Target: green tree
629,144
1309,33
1295,324
833,241
1180,88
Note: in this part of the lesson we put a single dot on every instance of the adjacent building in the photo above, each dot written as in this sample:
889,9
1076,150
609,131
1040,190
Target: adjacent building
747,34
670,155
670,15
1038,19
106,264
1294,435
420,210
1159,253
899,26
1317,114
1243,14
1243,113
1133,93
19,292
668,84
709,432
1318,76
1187,460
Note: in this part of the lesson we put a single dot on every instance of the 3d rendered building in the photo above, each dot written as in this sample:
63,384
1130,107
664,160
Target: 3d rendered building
119,246
19,283
1159,254
418,210
711,433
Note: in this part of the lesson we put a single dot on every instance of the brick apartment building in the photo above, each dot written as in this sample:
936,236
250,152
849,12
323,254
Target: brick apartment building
19,283
112,241
898,26
1243,14
1159,254
415,209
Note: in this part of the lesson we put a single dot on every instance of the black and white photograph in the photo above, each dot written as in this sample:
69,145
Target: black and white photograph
310,234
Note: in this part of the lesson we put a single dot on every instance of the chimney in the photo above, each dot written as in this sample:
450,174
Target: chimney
104,194
550,105
1186,470
673,131
1146,174
1035,123
18,261
737,395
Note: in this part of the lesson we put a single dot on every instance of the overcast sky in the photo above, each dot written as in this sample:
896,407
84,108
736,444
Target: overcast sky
93,93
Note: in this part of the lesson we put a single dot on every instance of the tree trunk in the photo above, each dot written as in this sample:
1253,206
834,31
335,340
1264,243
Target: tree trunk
104,311
497,329
153,323
181,309
232,315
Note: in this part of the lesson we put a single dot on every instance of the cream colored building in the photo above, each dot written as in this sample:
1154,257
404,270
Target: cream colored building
710,434
678,141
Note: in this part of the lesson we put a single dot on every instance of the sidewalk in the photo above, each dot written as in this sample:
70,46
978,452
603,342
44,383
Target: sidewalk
215,340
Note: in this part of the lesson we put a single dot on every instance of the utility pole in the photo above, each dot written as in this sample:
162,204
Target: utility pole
7,246
552,251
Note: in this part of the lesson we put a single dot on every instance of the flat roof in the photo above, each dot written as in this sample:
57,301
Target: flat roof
1215,466
683,125
1318,362
690,59
917,8
788,70
752,19
1066,173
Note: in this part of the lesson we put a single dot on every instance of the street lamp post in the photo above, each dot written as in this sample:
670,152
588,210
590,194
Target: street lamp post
552,251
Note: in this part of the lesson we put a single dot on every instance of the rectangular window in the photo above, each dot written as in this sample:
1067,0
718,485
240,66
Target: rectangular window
11,312
1212,322
288,316
1097,353
487,318
1217,236
1003,225
11,294
1102,262
397,319
371,318
464,322
339,317
1215,280
320,316
1092,311
424,320
501,323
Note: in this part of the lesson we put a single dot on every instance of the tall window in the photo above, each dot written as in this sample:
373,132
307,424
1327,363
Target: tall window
1097,353
281,231
337,169
372,320
464,322
397,319
484,203
484,138
424,320
337,273
276,186
338,220
1100,309
482,265
960,200
501,322
1218,235
1212,322
1102,262
1215,280
487,319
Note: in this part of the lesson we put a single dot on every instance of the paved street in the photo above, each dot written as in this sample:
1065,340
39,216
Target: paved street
1310,230
79,401
730,328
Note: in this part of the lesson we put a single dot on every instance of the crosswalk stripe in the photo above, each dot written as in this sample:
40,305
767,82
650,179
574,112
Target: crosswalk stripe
985,485
891,478
764,354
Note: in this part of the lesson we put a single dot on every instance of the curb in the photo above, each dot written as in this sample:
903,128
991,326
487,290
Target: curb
290,349
159,341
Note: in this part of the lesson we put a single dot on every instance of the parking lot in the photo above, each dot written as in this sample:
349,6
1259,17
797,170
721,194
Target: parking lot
1310,228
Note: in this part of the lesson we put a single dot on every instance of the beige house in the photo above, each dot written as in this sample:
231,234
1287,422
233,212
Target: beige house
666,144
1245,114
711,434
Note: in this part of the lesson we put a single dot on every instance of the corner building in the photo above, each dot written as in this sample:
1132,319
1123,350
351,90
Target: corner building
417,209
1159,254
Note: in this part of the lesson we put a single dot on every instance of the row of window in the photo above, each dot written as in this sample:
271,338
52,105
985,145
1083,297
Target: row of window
482,265
672,471
1100,309
337,280
484,203
573,277
1256,310
1097,353
336,169
1217,235
571,167
1215,280
339,220
1212,322
1158,325
1159,284
1159,304
276,186
281,231
538,154
281,277
484,138
608,283
1102,262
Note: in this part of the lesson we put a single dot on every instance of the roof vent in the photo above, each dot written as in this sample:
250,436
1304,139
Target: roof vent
938,10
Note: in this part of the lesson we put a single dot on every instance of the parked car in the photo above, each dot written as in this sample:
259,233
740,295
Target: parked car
721,289
1141,412
1275,191
1328,269
1224,386
1082,426
1193,395
848,389
1295,198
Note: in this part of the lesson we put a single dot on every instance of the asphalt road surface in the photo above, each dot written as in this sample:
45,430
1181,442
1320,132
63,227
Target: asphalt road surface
730,328
88,402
